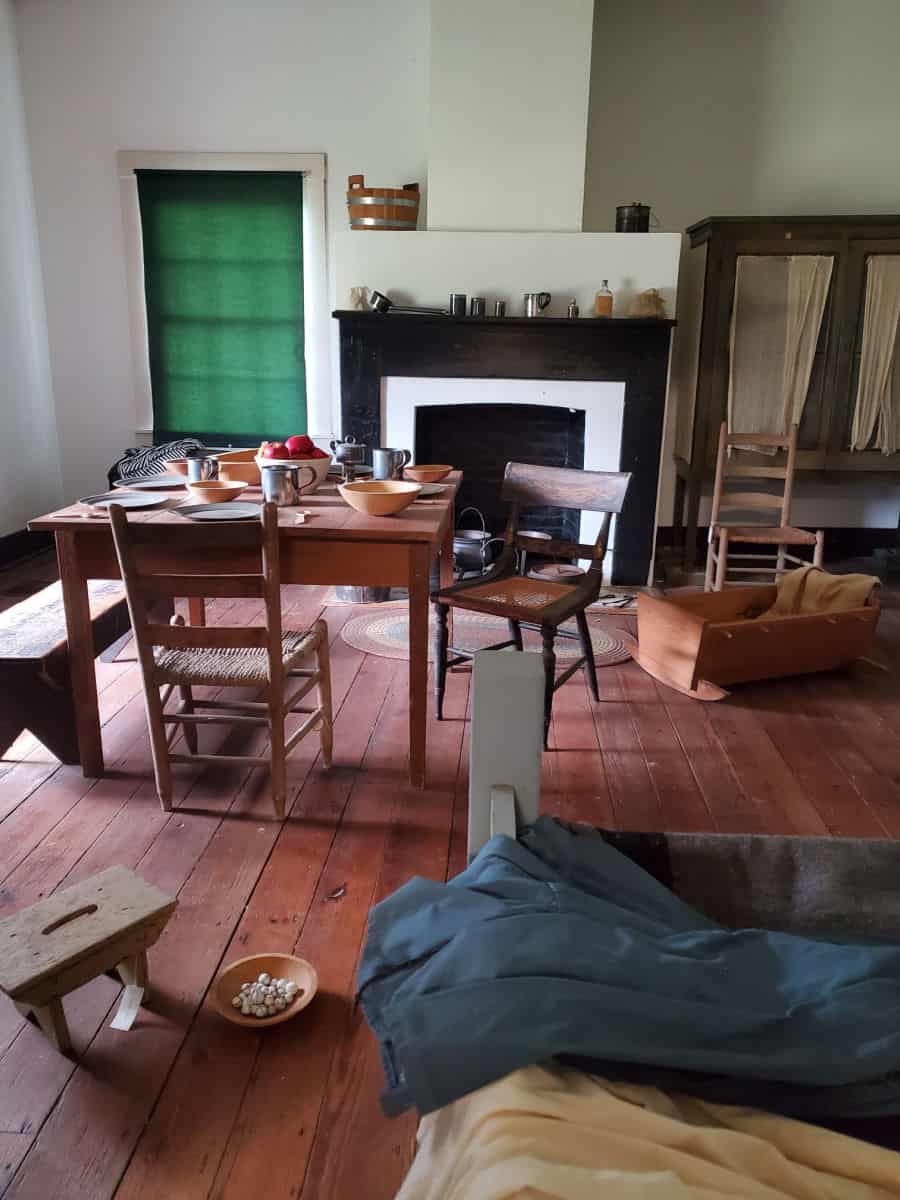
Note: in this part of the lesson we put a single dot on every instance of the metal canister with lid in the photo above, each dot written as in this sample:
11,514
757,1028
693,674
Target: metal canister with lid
633,218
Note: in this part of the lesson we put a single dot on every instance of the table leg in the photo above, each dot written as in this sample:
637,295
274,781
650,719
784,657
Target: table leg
419,565
196,610
81,654
446,570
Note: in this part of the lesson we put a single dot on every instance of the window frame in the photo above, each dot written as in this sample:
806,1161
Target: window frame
315,272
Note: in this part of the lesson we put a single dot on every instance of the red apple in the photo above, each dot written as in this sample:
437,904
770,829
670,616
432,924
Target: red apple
299,446
275,450
317,453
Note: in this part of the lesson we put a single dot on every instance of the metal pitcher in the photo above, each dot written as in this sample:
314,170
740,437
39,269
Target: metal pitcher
389,464
282,485
535,303
201,466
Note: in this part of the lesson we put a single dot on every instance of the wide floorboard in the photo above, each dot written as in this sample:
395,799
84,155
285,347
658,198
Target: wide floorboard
186,1106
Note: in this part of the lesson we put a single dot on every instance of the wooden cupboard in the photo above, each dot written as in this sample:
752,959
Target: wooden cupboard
825,429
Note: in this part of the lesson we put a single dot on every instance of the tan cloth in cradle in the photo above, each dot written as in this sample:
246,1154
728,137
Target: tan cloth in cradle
551,1133
812,590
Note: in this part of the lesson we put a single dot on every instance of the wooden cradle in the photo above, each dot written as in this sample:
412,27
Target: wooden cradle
698,642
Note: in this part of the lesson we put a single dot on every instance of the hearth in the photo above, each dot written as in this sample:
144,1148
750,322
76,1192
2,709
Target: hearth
480,439
632,353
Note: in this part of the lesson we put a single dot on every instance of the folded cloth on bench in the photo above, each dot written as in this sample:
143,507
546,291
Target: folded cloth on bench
557,945
812,590
559,1134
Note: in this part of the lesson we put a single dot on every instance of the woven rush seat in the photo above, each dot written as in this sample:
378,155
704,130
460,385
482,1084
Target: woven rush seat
230,667
784,535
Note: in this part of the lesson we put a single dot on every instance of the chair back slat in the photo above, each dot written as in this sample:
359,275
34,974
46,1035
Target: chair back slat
764,500
565,487
210,587
557,547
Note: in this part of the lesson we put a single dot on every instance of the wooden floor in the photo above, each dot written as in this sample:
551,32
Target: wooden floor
187,1106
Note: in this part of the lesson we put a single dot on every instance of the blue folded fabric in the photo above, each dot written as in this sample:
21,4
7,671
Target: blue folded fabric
558,946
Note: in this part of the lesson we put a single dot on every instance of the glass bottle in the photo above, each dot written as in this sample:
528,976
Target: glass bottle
603,301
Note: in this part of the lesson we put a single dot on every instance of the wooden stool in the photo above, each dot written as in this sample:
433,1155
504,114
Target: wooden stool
100,926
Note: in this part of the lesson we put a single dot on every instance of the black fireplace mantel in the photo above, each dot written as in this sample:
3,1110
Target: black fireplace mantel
631,350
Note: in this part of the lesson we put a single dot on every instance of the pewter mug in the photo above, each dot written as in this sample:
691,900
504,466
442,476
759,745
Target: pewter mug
201,467
389,464
282,485
535,303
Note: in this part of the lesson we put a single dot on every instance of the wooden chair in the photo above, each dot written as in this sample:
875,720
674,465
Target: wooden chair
780,536
178,560
524,600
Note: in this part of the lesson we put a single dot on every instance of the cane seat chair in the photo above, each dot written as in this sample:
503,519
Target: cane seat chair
529,601
232,560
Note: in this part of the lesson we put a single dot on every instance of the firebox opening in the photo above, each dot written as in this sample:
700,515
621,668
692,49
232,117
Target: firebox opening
480,439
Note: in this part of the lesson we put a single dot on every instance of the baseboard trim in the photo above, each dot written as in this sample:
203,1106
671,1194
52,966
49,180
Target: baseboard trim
22,544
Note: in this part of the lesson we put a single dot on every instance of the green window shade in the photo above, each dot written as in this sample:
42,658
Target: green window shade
223,273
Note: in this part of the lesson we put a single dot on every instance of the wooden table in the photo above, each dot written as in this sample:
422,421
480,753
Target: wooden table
335,546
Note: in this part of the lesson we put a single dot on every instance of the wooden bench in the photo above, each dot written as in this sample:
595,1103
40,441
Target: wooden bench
35,690
103,925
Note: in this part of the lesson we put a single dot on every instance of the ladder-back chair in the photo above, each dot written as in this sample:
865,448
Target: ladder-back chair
780,536
234,560
524,600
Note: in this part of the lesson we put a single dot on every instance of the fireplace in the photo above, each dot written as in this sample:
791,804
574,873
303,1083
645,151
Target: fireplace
614,371
480,439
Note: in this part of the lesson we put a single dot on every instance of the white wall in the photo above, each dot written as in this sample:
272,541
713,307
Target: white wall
424,268
29,458
719,107
509,95
348,77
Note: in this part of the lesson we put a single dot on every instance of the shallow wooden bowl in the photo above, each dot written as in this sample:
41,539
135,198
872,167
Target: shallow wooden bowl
428,472
239,466
214,491
379,497
245,970
178,466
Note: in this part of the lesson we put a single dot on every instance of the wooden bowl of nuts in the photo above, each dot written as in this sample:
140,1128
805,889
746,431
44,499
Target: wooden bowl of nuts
264,989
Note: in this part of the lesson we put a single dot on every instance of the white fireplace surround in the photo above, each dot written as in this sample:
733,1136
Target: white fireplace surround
603,405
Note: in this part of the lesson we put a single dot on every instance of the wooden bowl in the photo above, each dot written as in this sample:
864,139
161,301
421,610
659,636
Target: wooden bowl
214,491
379,497
321,466
178,466
428,472
245,970
234,469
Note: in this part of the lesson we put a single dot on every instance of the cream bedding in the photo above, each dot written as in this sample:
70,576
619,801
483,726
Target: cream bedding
558,1133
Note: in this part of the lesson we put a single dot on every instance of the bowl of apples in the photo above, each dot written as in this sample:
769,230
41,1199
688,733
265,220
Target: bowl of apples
296,451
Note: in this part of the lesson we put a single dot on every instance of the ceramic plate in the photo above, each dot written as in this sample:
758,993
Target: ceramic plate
152,483
432,489
230,511
126,499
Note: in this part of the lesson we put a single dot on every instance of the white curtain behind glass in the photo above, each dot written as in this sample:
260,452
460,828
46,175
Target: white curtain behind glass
776,316
878,394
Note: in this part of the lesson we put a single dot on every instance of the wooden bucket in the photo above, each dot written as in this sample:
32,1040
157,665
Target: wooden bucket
381,208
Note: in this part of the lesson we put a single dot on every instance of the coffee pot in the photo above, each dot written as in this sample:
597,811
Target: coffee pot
535,303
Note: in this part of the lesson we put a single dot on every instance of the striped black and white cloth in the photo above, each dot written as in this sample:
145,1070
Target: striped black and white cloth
150,460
